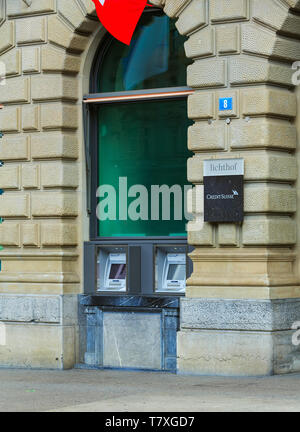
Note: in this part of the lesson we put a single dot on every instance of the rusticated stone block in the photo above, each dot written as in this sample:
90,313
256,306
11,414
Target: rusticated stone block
31,60
201,44
10,119
18,8
227,234
59,175
201,234
12,61
7,36
10,234
245,70
266,101
270,167
55,60
193,17
204,136
269,199
263,133
30,176
74,16
278,19
30,234
207,73
260,41
10,177
91,10
54,145
14,148
155,2
228,39
54,204
54,87
60,34
268,231
57,234
30,118
172,7
14,205
228,10
201,105
2,11
58,116
31,30
15,90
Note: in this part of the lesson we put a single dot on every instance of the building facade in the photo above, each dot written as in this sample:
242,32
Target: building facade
243,296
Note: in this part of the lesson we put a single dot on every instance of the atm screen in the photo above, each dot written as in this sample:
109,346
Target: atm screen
176,271
112,269
117,271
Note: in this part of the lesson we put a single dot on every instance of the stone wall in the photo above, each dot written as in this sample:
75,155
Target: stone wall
240,54
242,49
43,180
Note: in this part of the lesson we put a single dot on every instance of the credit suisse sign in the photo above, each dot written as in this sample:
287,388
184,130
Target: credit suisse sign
223,190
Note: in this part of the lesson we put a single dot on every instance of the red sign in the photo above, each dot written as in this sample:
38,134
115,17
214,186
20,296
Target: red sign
120,17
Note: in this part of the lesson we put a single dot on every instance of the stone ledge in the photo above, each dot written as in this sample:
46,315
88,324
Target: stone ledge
227,314
51,309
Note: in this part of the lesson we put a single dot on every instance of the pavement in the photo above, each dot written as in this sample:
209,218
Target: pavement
113,391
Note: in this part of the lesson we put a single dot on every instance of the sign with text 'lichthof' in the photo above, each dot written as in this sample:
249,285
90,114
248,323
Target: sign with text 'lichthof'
223,190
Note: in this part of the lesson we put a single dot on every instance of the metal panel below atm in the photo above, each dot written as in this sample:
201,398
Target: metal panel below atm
128,332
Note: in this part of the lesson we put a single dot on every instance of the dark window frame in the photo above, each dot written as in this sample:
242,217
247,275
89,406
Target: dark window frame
91,104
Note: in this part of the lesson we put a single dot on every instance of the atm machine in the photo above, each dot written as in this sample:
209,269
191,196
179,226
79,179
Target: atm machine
145,269
130,308
170,269
174,273
112,269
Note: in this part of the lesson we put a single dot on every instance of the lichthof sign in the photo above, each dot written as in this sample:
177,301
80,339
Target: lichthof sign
223,190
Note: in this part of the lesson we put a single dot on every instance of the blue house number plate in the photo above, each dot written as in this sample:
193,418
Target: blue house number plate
225,104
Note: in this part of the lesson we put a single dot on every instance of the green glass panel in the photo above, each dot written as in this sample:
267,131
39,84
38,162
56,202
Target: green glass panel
154,59
146,143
